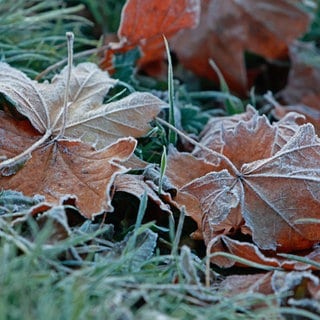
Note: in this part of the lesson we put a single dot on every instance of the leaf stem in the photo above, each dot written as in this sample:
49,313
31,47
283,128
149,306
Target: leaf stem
70,38
63,61
196,143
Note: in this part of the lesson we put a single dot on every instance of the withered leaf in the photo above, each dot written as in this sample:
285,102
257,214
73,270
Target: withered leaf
237,284
295,288
304,76
192,169
301,93
252,253
57,218
42,103
271,194
266,180
145,22
64,169
87,118
229,28
135,185
146,19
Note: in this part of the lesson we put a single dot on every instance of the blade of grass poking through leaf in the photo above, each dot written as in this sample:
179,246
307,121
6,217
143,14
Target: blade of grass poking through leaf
231,106
177,238
163,166
172,135
140,215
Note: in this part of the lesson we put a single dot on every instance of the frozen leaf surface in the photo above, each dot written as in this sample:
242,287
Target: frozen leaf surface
64,169
87,117
266,179
229,28
301,93
304,76
135,185
145,22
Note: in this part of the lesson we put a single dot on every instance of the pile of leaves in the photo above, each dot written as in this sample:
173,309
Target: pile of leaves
101,165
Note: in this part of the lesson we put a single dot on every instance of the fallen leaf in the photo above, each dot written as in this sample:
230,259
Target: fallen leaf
135,185
301,93
144,19
87,118
250,252
63,169
229,28
42,103
304,77
56,219
192,169
294,289
266,180
299,285
145,22
237,284
262,191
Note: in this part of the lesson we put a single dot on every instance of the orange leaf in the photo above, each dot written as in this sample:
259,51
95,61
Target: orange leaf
229,28
147,19
266,180
192,168
135,185
297,289
302,90
237,284
304,77
251,252
64,169
145,22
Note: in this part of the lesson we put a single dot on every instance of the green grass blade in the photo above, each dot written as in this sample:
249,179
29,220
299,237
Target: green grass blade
172,135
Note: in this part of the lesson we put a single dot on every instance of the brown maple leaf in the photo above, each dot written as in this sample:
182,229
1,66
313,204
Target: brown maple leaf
251,253
267,179
301,93
135,185
304,76
87,118
63,169
229,28
295,289
145,22
50,158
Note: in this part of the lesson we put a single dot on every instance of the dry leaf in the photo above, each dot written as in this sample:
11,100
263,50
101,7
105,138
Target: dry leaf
294,288
146,19
229,28
304,77
64,169
59,227
192,168
251,252
145,22
135,185
87,118
302,90
237,284
42,103
271,194
266,180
